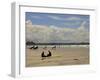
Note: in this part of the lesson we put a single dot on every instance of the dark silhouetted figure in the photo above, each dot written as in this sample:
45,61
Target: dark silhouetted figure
31,47
48,55
34,47
54,47
44,56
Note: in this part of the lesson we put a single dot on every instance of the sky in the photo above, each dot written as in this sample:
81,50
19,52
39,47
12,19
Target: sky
54,27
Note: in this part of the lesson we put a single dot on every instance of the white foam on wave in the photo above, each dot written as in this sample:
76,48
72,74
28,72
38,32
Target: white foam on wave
61,46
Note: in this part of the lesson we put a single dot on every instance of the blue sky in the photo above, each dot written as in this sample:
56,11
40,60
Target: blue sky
58,20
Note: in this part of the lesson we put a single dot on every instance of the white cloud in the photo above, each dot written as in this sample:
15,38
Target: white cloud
71,24
55,17
41,33
65,18
73,18
28,22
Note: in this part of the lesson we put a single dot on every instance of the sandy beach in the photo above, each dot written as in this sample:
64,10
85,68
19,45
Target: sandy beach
60,56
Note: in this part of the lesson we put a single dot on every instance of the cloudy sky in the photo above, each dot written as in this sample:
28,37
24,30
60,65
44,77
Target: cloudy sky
57,28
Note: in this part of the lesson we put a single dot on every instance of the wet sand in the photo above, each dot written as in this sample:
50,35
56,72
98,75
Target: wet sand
60,56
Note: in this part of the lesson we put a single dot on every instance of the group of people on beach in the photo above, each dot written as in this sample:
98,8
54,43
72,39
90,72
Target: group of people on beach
46,53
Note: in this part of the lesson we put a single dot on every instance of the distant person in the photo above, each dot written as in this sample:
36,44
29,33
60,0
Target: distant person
54,47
